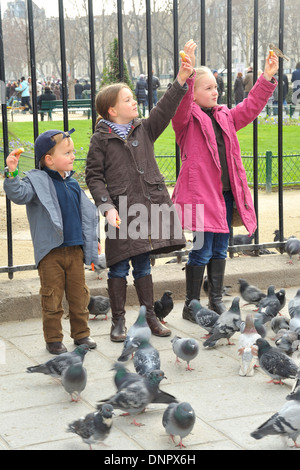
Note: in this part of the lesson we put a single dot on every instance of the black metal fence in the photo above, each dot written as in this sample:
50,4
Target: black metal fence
253,165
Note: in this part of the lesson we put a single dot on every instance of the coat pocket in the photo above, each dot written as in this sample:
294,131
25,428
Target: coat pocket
156,190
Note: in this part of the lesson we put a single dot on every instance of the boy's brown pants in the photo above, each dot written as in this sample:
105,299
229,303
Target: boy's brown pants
62,271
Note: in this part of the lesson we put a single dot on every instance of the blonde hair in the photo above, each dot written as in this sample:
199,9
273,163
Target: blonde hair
200,72
106,98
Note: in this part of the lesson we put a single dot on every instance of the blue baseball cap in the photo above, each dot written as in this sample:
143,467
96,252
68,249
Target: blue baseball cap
44,142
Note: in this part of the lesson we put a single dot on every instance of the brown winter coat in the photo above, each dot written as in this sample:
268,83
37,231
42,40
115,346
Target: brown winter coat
124,174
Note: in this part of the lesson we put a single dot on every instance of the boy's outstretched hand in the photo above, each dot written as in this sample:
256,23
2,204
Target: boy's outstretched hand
13,159
271,66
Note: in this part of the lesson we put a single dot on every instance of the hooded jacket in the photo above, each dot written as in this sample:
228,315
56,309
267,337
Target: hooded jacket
38,192
198,194
123,173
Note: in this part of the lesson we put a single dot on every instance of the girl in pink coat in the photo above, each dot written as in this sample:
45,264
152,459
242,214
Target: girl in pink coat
212,179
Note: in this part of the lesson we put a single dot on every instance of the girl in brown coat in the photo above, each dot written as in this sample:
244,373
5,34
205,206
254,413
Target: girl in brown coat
128,188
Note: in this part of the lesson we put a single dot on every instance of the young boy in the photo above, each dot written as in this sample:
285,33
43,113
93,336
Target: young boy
63,225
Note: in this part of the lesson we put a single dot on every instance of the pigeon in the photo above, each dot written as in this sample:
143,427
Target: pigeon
292,247
286,422
280,323
296,384
278,52
136,395
294,303
295,322
94,427
146,359
277,239
123,377
228,323
275,363
164,306
281,297
185,348
247,348
243,239
98,305
251,294
74,380
287,341
205,317
100,265
268,307
54,367
137,333
178,420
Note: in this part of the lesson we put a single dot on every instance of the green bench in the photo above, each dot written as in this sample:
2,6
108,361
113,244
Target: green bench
50,106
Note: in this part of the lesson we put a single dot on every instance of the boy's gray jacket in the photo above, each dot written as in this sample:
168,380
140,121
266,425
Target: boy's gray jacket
37,191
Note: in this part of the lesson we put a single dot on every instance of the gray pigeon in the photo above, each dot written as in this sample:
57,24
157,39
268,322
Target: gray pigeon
268,307
275,363
228,323
251,294
186,349
122,375
146,359
281,297
58,364
164,306
137,333
94,427
100,265
178,420
74,380
123,378
296,384
287,341
98,305
136,395
280,323
286,422
295,322
294,303
205,317
292,247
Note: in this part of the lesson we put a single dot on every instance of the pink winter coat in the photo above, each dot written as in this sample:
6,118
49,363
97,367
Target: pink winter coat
198,194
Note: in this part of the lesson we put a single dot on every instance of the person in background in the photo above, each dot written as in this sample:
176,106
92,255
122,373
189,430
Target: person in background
248,81
238,88
23,88
220,84
141,93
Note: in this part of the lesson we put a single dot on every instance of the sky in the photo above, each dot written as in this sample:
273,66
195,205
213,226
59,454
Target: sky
51,6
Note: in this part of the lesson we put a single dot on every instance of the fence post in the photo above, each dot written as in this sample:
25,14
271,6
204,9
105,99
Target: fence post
269,171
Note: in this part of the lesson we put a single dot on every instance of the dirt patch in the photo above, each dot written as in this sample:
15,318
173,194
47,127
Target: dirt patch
268,222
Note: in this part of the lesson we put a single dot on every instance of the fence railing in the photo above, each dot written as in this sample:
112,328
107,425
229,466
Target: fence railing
267,169
257,166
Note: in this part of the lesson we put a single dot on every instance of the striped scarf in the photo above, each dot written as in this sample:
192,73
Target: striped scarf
121,130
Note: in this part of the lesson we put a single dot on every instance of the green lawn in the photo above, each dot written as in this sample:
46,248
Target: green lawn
21,134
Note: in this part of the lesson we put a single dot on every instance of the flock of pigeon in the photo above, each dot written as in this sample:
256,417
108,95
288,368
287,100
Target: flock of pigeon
136,390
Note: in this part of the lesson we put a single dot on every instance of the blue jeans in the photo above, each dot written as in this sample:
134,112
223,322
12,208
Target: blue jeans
215,245
140,264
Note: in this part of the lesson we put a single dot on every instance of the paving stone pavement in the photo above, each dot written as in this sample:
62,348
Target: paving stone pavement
35,409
